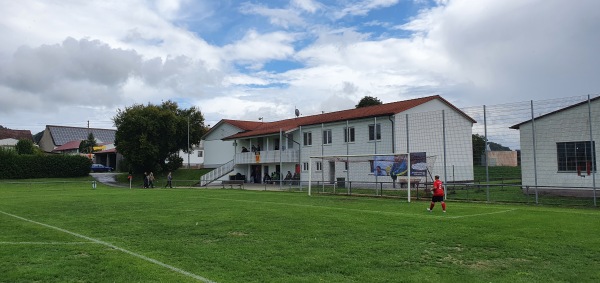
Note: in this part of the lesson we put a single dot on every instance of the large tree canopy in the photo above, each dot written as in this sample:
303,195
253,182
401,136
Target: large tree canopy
148,134
368,101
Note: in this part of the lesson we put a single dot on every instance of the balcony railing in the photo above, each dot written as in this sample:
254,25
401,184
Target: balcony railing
267,156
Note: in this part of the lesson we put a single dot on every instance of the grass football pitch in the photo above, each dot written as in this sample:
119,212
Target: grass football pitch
69,232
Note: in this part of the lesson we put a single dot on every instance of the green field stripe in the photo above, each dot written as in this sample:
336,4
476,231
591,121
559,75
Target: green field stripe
47,243
189,274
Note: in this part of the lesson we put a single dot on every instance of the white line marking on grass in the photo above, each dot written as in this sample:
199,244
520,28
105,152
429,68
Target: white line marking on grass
324,207
46,243
423,215
481,214
180,271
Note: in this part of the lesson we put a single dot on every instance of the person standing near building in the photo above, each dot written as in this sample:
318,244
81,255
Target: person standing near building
438,194
145,180
151,180
169,180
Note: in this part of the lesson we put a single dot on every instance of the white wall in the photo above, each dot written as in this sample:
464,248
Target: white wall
425,134
569,125
216,151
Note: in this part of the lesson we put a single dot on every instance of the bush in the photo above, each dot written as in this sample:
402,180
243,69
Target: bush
24,147
13,166
174,162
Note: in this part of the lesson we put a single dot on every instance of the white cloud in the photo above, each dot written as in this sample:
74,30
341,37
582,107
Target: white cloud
279,17
89,58
362,8
258,48
307,5
512,49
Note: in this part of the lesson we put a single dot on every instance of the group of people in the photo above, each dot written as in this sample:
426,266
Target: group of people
149,180
255,148
274,177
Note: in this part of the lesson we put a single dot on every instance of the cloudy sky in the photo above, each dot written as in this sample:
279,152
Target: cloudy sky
66,62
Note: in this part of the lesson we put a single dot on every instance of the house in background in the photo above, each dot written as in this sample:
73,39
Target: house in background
195,158
563,153
253,149
66,140
219,151
500,158
9,138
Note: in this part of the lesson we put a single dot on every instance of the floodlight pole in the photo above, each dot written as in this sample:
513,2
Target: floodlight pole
188,140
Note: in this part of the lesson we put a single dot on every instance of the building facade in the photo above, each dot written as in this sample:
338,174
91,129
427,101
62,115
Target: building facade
558,149
430,125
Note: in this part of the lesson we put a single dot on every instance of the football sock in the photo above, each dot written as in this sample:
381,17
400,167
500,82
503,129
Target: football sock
431,205
443,205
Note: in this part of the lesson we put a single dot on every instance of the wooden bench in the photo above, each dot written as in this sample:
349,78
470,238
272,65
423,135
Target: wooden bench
231,183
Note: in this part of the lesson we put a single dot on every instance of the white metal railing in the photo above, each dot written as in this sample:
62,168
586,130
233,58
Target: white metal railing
267,156
216,173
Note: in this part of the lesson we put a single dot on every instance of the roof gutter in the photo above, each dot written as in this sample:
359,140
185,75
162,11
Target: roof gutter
392,118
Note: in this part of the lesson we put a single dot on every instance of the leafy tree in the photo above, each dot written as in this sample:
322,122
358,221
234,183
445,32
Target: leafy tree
497,147
24,147
148,134
479,147
37,137
87,146
174,162
368,101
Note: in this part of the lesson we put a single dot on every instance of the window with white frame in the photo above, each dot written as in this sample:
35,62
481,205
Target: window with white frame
305,166
327,139
375,132
200,152
307,138
349,134
319,165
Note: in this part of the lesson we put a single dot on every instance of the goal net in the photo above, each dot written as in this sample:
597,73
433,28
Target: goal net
376,174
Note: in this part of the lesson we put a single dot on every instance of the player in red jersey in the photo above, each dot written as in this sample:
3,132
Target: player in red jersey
438,194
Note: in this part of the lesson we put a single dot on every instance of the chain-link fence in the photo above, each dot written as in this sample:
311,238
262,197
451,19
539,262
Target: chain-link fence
529,152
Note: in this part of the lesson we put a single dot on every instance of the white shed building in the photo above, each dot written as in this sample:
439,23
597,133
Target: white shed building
557,148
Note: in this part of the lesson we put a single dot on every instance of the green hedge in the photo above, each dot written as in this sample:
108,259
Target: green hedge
14,166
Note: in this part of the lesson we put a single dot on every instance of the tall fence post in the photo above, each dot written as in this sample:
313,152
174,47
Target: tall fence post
408,152
444,141
534,154
485,149
593,149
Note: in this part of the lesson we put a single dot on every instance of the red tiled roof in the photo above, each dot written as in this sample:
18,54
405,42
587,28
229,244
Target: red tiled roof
68,146
260,128
15,134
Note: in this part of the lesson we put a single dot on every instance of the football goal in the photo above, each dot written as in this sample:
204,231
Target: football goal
370,172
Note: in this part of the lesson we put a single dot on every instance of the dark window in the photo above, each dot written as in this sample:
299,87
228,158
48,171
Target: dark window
375,132
349,134
576,156
327,137
308,138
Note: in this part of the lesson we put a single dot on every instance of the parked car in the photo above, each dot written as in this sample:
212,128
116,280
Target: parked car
100,168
